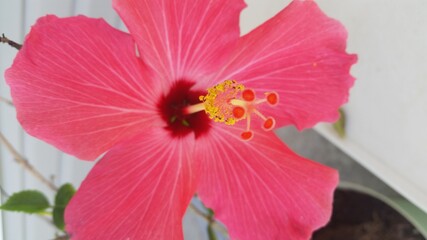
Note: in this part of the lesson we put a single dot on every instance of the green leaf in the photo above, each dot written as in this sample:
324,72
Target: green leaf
339,126
28,201
63,196
210,213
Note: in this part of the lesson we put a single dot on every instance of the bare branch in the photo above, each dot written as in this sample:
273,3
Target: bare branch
3,192
63,237
7,101
217,226
4,39
25,164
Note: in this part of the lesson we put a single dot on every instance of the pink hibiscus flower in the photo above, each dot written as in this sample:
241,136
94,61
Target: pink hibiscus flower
181,105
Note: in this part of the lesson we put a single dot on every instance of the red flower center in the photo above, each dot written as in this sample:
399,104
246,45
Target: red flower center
171,108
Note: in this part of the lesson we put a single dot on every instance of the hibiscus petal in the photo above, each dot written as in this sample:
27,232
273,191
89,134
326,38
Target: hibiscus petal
300,54
139,190
260,189
78,85
182,39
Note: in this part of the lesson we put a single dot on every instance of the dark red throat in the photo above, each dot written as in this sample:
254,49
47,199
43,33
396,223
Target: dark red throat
171,109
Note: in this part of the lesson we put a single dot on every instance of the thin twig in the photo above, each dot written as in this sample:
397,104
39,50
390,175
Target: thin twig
9,102
198,212
47,220
25,164
215,224
3,192
63,237
4,39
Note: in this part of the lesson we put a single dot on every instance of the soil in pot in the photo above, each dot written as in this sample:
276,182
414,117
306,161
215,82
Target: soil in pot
358,216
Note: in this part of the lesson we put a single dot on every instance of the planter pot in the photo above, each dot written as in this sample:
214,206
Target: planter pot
361,213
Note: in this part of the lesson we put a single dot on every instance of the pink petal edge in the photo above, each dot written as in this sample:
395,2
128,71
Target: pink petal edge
78,85
139,190
262,190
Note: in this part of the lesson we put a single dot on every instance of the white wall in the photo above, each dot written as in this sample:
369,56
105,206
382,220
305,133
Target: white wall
16,17
387,112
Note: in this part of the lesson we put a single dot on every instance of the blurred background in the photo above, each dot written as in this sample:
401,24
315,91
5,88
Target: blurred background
384,151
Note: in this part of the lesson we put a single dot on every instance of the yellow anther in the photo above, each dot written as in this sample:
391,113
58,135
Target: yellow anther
217,101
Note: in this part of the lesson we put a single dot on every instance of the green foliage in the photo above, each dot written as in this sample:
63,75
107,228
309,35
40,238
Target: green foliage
339,126
63,196
210,213
28,201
